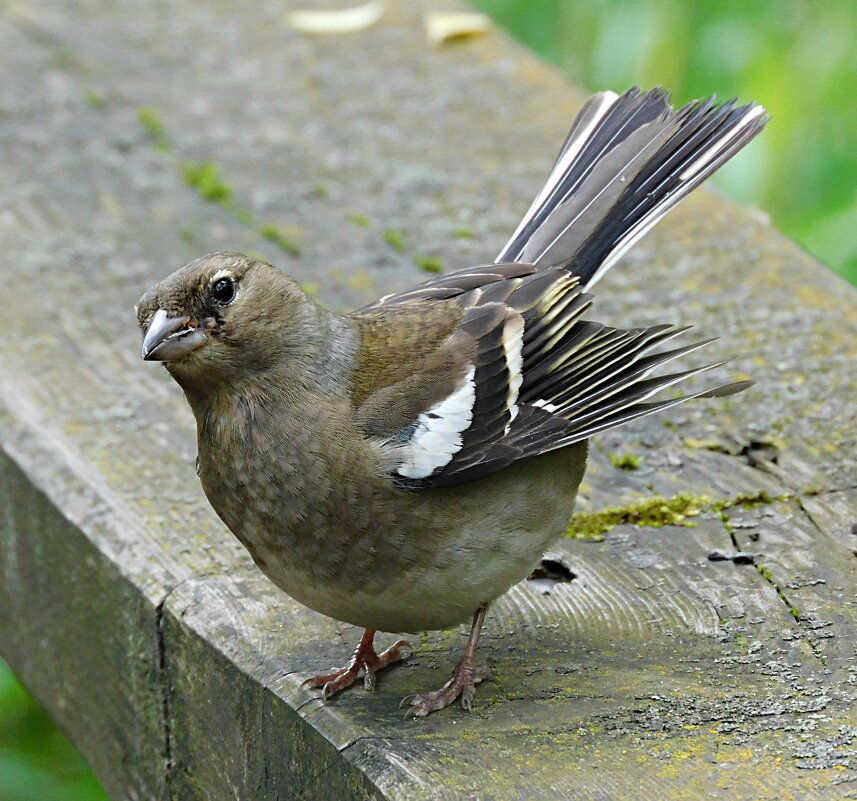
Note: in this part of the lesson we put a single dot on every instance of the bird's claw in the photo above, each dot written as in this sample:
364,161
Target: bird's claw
462,685
364,659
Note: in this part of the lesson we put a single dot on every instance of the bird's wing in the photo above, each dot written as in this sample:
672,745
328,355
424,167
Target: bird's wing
496,365
473,370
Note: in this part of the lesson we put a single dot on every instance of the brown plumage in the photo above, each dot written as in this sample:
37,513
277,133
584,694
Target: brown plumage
400,467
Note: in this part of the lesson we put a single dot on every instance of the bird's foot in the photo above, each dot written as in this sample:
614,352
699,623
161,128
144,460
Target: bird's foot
364,659
462,685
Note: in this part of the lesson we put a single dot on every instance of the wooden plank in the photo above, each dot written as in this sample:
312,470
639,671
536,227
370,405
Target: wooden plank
700,704
81,635
128,608
806,551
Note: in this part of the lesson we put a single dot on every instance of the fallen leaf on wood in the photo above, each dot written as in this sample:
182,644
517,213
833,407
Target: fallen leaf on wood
323,22
448,26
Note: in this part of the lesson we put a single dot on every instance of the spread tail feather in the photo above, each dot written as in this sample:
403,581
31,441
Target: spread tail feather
626,161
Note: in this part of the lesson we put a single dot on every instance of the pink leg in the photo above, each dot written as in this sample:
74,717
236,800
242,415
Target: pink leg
463,683
364,659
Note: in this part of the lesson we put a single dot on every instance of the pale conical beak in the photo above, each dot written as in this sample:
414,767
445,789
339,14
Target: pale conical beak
169,338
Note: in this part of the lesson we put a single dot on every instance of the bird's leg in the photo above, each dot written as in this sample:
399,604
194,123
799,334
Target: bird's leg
364,659
464,679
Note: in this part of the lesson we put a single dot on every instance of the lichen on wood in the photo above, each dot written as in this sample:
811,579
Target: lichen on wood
128,608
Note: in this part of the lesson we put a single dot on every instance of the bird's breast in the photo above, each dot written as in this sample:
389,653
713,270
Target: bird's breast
323,522
296,484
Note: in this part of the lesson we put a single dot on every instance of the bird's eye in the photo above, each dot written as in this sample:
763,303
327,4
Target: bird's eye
223,291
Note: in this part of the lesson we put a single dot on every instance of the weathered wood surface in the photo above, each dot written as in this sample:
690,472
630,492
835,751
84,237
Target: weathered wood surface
136,619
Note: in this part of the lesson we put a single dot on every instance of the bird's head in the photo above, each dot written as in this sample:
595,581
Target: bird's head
223,317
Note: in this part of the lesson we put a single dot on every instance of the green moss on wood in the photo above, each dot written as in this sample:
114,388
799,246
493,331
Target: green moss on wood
154,127
429,265
359,219
396,240
275,234
151,122
651,513
710,444
93,98
206,179
659,511
756,499
625,461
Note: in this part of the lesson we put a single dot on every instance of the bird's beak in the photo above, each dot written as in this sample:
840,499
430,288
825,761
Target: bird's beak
170,338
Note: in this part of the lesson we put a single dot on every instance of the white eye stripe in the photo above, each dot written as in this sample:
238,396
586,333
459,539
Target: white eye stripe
221,274
437,436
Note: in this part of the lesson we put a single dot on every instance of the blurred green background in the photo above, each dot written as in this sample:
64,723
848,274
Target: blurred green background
36,762
797,58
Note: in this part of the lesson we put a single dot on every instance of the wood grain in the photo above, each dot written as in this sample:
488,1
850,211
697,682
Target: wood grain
131,613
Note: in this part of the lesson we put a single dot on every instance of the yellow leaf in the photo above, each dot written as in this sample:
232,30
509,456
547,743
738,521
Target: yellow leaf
333,21
447,26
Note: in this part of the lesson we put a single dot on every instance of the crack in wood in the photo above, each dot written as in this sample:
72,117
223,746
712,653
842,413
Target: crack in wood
165,692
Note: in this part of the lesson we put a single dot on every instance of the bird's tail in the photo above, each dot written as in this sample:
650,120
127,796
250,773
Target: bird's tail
625,163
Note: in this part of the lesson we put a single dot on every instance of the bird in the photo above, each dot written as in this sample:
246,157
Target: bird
400,467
